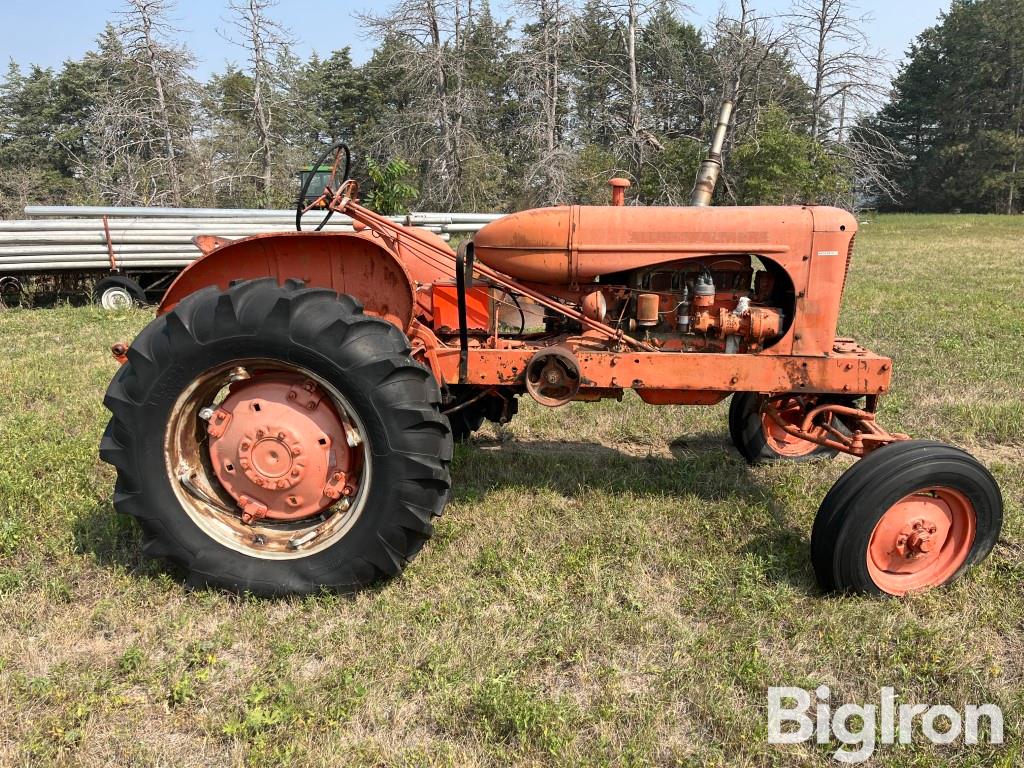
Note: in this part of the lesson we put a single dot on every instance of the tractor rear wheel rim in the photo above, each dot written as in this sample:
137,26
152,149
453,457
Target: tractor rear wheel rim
285,481
791,411
922,540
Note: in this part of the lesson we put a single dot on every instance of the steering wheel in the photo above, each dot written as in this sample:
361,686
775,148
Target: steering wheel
332,183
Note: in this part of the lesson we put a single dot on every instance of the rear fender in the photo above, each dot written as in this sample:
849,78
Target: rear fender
346,262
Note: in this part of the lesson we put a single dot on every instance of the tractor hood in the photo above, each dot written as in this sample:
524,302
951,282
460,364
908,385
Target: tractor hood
575,244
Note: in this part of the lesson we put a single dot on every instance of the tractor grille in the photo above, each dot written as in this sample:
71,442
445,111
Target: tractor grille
849,258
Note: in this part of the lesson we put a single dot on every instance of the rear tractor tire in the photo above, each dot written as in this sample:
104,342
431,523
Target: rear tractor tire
274,439
760,440
910,516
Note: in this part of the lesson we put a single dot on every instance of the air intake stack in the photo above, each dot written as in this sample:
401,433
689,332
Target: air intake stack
711,168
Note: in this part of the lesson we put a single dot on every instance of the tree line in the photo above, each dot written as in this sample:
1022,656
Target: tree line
456,109
956,111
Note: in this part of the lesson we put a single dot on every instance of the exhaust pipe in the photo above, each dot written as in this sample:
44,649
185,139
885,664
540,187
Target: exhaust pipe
711,168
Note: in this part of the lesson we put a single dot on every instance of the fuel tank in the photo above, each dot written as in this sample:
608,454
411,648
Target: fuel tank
575,244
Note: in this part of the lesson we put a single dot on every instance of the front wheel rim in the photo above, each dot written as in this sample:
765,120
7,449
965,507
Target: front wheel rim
791,411
922,540
243,497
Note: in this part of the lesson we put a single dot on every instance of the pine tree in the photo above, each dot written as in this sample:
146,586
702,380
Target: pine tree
956,111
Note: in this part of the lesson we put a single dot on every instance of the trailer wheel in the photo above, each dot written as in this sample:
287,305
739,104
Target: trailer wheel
12,292
910,516
759,439
274,439
118,292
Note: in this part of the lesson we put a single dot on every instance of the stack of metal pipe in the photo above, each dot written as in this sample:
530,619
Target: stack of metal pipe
55,238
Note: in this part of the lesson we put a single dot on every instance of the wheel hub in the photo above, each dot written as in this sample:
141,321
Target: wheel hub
280,449
272,457
921,540
116,298
916,538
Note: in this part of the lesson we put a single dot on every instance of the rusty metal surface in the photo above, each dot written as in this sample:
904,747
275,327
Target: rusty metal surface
445,308
858,373
863,434
568,245
420,245
405,275
350,263
209,243
553,376
278,446
110,245
619,187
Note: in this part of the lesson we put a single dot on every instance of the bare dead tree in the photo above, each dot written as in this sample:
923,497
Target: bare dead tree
539,77
118,168
848,81
140,129
122,162
146,33
630,123
628,33
845,74
265,43
750,55
431,59
1018,110
747,51
18,188
630,15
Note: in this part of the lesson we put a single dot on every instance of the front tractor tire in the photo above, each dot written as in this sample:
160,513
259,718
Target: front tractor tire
760,440
910,516
273,439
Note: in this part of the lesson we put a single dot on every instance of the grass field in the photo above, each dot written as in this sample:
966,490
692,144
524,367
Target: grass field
611,584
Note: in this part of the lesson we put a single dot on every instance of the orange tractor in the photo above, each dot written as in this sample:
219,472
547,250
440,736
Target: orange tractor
286,422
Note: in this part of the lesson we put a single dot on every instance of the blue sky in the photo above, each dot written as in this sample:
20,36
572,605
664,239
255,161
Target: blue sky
48,31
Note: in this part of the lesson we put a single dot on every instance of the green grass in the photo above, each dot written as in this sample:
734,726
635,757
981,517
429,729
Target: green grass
610,585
